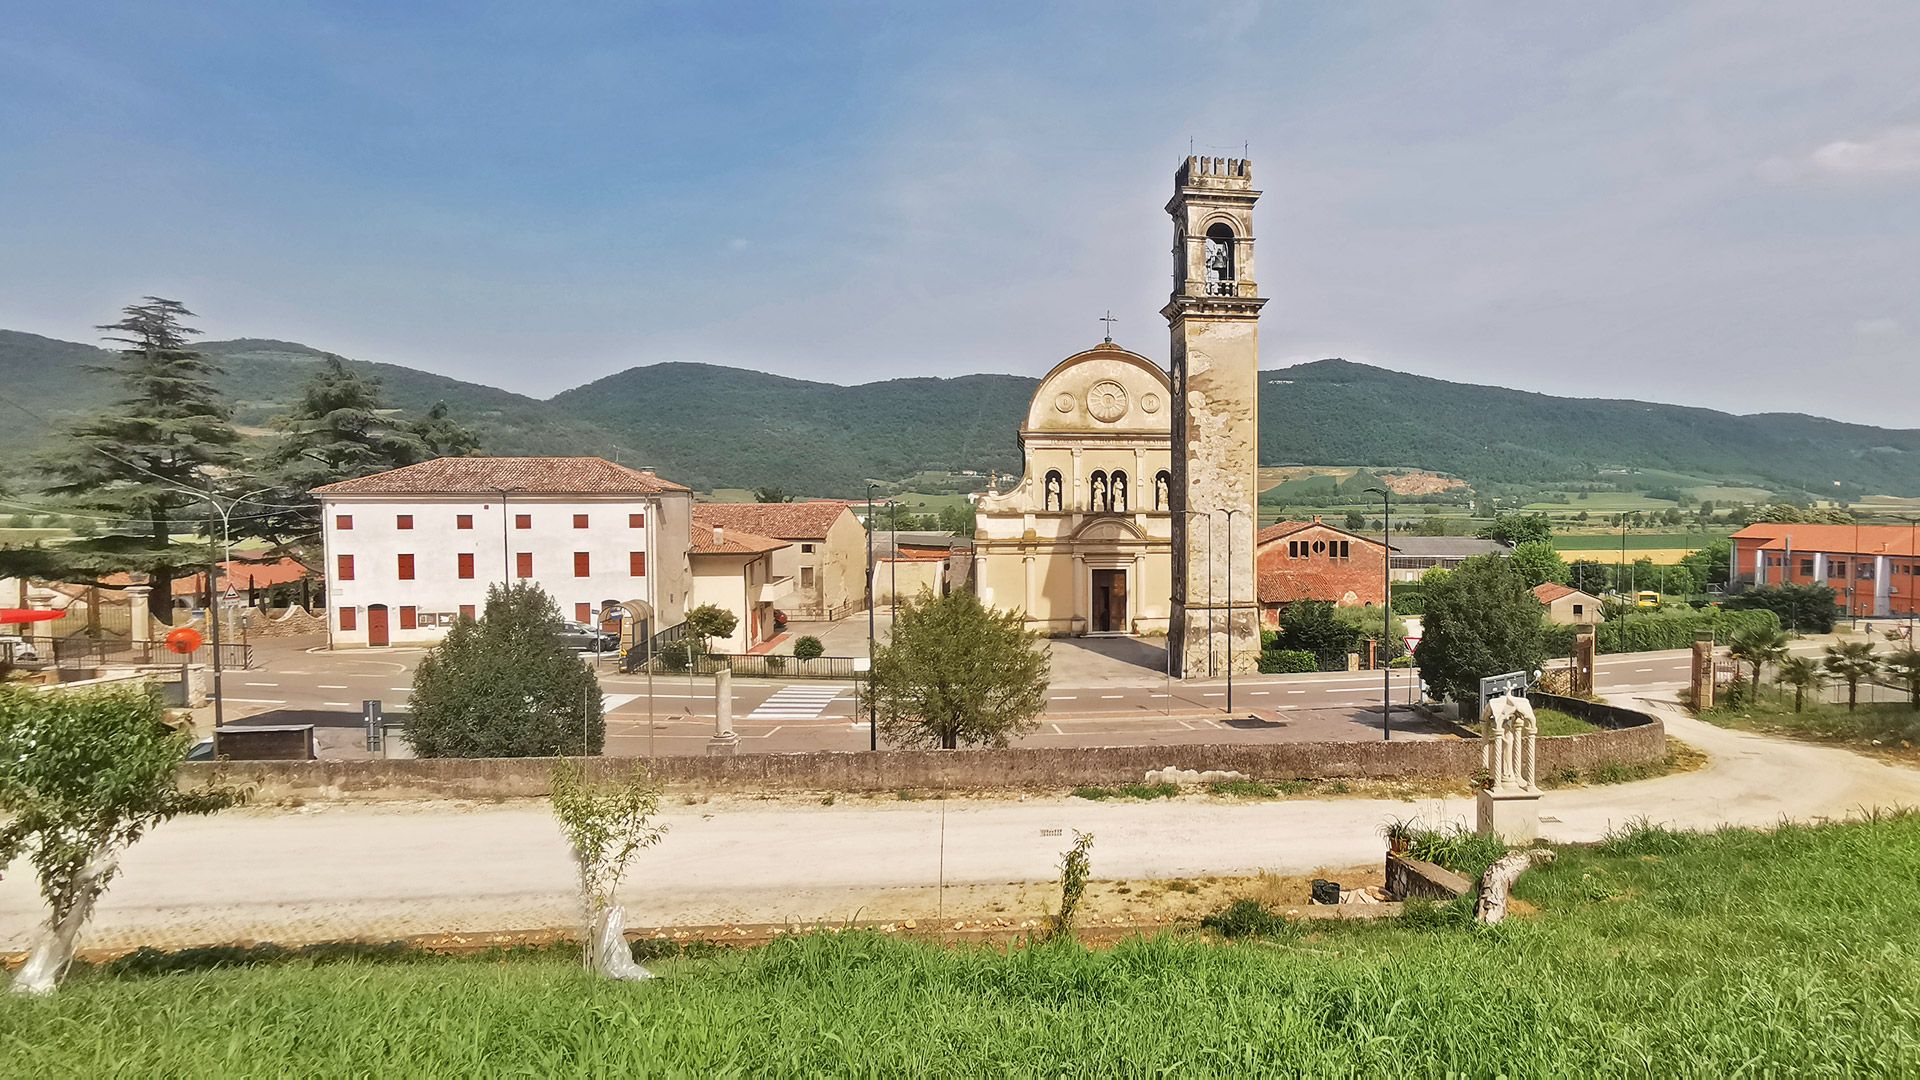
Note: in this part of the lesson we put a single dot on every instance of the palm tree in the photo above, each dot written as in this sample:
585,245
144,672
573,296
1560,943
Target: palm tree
1759,646
1904,666
1803,674
1851,662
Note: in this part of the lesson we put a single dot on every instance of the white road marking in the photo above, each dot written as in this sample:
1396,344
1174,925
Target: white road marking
338,704
1159,695
1296,691
1065,697
1259,693
256,701
1642,670
610,702
1220,694
1111,697
796,703
260,684
328,686
402,689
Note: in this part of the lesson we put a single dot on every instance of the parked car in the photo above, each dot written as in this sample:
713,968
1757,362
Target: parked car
587,639
17,650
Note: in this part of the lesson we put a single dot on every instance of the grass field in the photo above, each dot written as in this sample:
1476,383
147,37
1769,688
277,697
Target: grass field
1884,721
1783,953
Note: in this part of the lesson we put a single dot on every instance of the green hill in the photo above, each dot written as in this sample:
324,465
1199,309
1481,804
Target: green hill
729,427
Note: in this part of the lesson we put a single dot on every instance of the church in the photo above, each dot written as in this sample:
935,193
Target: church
1135,512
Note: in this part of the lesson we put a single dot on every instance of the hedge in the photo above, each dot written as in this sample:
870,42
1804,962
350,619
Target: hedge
1656,631
1287,661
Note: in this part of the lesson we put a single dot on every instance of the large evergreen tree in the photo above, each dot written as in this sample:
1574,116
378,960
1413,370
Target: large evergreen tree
138,463
338,430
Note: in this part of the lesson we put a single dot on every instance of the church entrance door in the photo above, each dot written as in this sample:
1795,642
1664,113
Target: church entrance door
1109,615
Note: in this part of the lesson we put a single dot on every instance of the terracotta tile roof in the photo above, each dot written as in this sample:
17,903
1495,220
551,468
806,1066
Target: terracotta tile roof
1834,539
1280,530
487,475
788,521
712,540
1549,591
238,572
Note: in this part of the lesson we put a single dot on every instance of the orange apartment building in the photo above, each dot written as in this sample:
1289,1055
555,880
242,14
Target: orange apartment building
1874,570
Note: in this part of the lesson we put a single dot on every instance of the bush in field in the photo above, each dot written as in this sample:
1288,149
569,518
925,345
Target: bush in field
808,647
83,775
506,686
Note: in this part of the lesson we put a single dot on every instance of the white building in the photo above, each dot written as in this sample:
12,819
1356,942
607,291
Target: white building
410,550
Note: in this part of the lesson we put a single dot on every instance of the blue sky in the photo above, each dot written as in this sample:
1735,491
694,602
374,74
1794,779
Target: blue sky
1712,204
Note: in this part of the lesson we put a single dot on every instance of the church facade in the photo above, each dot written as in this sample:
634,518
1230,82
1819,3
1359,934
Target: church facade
1083,542
1136,511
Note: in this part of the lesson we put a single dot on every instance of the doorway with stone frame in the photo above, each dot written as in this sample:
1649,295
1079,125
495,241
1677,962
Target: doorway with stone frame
1108,607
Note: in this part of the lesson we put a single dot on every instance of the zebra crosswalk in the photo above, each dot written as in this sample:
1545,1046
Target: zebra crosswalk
797,703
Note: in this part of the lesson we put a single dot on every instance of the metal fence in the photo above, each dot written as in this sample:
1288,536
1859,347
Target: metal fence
79,652
769,666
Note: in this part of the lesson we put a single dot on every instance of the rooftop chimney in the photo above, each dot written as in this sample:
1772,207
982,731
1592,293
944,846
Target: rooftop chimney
719,536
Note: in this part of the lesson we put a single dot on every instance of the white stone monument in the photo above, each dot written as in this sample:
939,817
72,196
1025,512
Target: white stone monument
724,742
1509,807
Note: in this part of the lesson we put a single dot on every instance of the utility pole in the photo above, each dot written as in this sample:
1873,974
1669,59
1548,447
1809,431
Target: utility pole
873,707
1386,613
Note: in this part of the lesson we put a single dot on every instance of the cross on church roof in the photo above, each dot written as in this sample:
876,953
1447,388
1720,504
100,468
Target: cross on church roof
1109,320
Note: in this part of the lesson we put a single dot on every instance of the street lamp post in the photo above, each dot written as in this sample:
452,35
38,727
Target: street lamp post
1386,612
873,707
1229,511
1209,517
213,600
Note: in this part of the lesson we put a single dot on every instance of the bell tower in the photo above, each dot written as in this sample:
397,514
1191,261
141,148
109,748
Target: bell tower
1214,315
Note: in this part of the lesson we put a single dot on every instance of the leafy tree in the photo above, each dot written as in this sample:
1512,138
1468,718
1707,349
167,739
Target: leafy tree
1517,529
771,495
808,647
1805,608
171,431
606,825
1540,563
1850,662
506,686
957,519
709,621
1356,521
1758,646
1365,622
1480,620
1803,673
1904,666
83,776
956,673
1311,626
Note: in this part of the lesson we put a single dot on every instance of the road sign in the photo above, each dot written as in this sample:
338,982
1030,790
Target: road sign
1514,682
232,594
376,729
183,640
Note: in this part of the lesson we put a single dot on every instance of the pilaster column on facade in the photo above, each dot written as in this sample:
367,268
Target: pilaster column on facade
1079,497
1082,617
1027,601
1136,589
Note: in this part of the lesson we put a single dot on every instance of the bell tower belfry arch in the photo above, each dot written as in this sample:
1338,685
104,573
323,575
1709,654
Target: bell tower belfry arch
1213,316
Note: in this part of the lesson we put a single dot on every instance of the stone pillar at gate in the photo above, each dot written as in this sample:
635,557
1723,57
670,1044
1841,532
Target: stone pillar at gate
1582,671
139,619
1703,670
1213,316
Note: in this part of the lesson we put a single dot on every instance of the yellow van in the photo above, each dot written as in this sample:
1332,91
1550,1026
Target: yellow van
1646,598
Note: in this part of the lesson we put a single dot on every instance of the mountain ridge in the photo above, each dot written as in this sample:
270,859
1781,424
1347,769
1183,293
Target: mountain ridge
717,426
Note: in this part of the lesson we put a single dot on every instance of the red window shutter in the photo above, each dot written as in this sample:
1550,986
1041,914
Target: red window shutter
466,611
463,521
637,563
403,521
582,612
579,521
465,561
408,617
343,522
523,521
636,521
523,564
349,618
344,571
580,564
406,567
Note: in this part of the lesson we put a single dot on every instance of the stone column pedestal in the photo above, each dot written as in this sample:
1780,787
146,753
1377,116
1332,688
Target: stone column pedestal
1703,670
724,742
1513,816
1582,671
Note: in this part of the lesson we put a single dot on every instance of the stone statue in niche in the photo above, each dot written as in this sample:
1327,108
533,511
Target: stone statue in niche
1119,496
1160,492
1099,493
1053,491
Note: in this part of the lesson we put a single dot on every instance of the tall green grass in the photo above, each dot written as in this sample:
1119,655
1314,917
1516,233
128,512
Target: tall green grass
1654,953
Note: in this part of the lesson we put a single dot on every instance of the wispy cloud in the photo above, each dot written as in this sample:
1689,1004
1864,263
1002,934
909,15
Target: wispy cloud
1892,154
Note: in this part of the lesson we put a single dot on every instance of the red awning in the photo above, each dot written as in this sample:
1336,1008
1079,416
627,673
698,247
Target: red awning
26,615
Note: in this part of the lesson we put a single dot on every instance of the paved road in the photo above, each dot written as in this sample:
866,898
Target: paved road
293,684
332,872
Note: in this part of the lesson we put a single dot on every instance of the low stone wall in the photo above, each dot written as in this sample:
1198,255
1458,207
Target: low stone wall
1035,769
1409,879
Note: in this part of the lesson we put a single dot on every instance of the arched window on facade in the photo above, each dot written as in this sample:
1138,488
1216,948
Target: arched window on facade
1161,483
1220,261
1052,498
1117,492
1097,491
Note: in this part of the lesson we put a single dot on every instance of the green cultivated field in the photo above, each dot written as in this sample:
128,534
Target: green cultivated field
1737,953
1636,541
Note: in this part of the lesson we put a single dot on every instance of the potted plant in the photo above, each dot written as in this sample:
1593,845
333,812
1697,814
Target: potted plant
1399,833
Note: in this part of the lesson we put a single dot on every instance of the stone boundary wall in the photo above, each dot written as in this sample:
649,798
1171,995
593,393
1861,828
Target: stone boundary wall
1052,769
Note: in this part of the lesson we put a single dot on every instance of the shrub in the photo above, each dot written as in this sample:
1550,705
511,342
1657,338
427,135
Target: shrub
808,647
1287,661
956,673
1456,848
1074,868
1247,919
